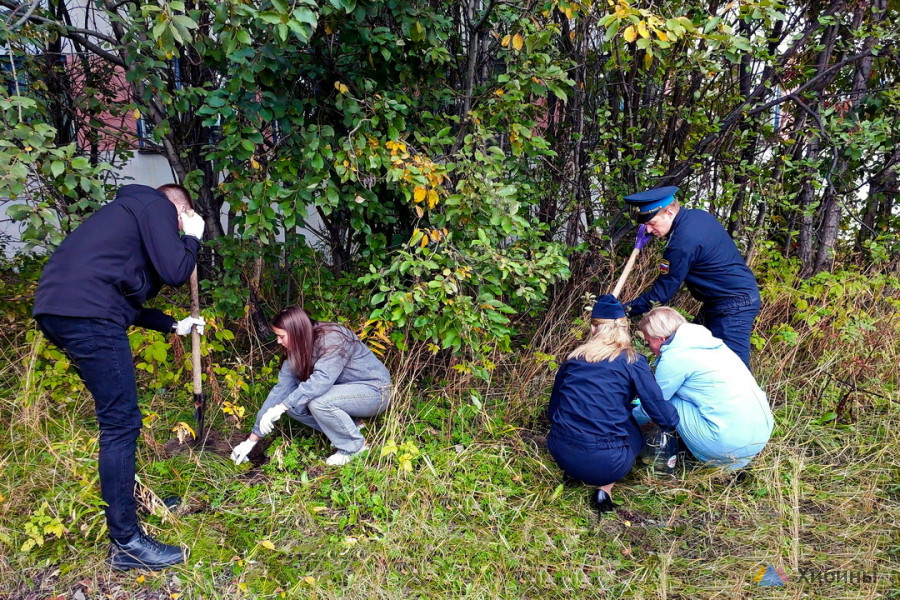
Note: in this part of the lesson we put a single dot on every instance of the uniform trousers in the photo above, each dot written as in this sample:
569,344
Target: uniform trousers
599,461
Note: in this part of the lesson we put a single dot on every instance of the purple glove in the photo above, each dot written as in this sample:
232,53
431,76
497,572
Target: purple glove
642,237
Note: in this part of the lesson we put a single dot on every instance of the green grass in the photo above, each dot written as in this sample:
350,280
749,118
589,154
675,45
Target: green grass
483,512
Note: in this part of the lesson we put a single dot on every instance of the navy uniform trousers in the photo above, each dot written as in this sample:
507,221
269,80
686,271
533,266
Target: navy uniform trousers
732,322
599,463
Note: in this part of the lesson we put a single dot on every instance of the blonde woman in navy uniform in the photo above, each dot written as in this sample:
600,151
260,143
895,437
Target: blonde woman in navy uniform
593,435
702,255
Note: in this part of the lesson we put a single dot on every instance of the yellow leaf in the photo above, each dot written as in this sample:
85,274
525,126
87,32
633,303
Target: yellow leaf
662,35
419,212
328,29
424,241
499,92
254,164
435,235
267,544
419,194
310,580
642,29
518,41
506,40
648,60
136,114
629,34
182,430
175,595
340,87
432,198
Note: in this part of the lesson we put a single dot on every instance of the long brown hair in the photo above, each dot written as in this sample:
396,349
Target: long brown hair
303,334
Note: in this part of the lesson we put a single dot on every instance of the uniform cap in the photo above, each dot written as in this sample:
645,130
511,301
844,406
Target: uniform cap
607,307
649,202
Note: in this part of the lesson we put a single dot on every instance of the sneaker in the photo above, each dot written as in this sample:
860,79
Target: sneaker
143,552
341,457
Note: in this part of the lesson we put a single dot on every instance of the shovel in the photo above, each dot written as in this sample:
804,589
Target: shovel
199,396
626,272
630,264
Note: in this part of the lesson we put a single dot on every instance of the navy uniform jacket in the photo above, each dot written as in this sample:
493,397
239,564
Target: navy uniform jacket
591,401
701,254
117,259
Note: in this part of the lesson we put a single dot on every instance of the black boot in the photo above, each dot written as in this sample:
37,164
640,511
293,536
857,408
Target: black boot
142,552
602,502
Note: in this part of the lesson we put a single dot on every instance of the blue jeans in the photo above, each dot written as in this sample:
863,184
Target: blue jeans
101,354
732,322
332,413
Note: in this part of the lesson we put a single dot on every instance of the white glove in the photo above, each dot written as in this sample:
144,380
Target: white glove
240,452
192,224
267,423
183,327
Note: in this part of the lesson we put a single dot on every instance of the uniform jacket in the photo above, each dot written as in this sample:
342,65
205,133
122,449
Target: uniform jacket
591,401
697,368
118,259
701,254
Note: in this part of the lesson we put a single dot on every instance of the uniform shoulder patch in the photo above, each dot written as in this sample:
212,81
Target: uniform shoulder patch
663,266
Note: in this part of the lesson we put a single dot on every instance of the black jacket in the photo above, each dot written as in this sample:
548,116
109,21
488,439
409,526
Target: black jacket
118,259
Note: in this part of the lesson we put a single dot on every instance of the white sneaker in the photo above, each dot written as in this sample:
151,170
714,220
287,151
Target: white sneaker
341,458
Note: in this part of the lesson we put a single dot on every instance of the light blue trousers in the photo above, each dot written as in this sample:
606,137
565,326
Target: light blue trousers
333,413
710,446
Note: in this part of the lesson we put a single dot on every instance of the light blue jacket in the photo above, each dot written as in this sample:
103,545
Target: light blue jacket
725,418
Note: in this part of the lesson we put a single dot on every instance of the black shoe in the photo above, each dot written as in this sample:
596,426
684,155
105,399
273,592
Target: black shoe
142,552
602,502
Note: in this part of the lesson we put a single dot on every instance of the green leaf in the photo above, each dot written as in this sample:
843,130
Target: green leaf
57,167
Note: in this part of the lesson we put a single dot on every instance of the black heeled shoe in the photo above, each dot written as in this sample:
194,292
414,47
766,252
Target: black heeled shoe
602,502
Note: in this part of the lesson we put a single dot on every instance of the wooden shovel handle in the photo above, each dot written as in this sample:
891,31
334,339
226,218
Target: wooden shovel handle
626,272
195,336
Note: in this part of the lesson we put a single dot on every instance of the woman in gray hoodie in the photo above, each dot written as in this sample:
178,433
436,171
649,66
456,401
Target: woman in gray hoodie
327,380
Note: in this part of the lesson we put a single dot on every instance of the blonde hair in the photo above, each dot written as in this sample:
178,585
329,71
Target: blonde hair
611,339
661,322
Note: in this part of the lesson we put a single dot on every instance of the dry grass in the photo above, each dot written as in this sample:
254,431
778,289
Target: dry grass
483,512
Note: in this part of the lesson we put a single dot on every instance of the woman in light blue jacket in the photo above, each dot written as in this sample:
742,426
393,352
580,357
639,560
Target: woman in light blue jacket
724,415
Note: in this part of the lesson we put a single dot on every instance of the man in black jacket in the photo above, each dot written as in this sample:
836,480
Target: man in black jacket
91,290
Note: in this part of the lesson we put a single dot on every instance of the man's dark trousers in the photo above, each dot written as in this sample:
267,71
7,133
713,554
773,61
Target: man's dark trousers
99,348
732,322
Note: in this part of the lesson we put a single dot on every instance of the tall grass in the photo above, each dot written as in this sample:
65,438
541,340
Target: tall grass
482,511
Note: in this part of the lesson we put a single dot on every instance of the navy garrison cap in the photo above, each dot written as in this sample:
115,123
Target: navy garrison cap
607,307
650,202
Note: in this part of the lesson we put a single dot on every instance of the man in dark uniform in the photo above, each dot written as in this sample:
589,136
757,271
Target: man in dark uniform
91,290
701,254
